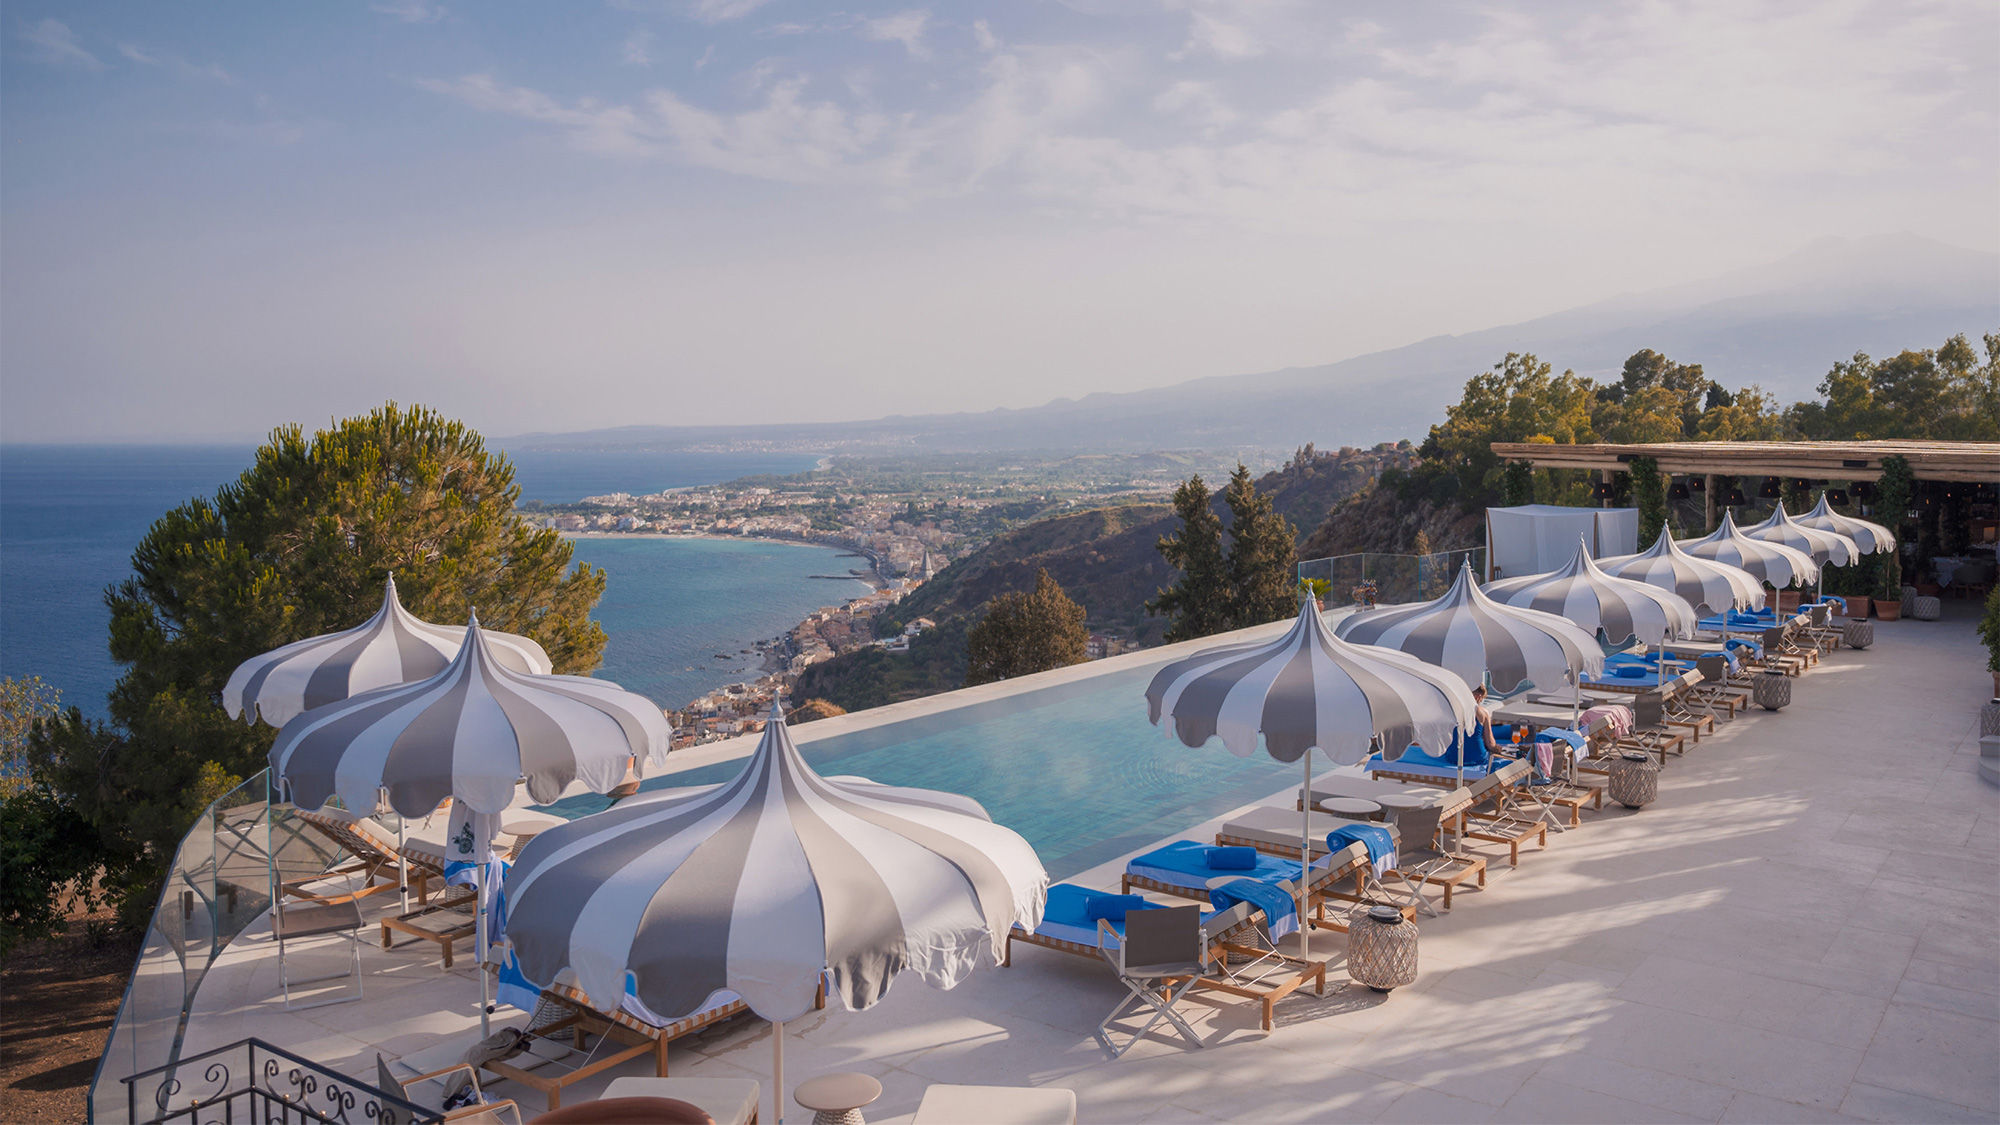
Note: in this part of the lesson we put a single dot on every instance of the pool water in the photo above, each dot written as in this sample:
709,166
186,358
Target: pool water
1074,768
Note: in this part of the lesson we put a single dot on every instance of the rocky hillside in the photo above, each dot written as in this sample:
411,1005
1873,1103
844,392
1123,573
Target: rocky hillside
1377,519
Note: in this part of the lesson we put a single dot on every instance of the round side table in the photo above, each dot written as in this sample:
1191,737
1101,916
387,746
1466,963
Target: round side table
1382,949
1635,780
1353,808
1396,804
836,1099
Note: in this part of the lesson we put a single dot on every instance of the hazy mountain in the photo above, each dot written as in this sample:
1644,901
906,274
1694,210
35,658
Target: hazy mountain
1781,325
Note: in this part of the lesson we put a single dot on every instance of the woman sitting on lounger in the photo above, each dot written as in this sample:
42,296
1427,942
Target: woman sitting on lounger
1482,720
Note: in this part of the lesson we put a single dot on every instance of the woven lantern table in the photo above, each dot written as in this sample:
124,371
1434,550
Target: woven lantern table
1635,780
1860,633
1772,691
1382,949
836,1099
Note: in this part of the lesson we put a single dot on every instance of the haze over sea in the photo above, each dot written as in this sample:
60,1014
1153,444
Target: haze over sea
71,515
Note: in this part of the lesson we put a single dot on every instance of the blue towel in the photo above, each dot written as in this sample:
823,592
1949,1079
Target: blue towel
1415,756
1110,907
1233,858
1380,844
1280,912
1190,858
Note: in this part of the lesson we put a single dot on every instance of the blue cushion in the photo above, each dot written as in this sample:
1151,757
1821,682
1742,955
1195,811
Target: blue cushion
1114,907
1233,859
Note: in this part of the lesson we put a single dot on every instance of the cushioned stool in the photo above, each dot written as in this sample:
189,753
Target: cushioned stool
1925,608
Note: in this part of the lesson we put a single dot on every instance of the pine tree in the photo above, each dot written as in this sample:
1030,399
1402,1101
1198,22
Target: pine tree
1026,633
1263,556
296,546
1200,603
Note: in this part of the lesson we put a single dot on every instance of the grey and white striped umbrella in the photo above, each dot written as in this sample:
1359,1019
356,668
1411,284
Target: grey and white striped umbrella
1481,640
1824,546
1870,537
765,886
1769,562
1709,586
1309,690
470,732
1618,607
392,647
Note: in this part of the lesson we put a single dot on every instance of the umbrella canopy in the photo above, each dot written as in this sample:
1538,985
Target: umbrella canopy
765,884
1581,592
1707,585
1478,638
1309,689
392,647
1774,563
1871,538
1824,546
468,733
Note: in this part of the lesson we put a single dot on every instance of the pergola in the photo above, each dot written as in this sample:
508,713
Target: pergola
1974,462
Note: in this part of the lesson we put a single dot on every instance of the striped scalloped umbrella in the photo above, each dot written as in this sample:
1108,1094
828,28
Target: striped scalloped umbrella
1870,537
1824,546
1706,584
1583,593
392,647
1480,639
1309,690
1769,562
470,733
765,886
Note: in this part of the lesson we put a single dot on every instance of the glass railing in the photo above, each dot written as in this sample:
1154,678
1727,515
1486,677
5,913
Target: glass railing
241,848
1395,578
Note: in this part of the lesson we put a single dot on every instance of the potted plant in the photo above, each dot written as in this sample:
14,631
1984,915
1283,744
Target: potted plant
1364,594
1989,632
1893,500
1319,588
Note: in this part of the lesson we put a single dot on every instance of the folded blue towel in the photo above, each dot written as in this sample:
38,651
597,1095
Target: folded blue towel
1113,907
1233,858
1380,844
1415,756
1280,912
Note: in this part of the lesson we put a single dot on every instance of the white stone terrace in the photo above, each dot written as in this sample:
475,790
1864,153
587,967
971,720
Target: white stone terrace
1805,927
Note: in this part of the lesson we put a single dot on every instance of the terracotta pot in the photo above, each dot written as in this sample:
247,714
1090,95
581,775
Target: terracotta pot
1788,600
1857,608
1888,611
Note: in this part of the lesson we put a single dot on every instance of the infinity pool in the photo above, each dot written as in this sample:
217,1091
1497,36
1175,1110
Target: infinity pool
1075,768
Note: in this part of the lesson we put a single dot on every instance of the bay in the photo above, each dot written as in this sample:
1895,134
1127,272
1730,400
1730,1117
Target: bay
70,517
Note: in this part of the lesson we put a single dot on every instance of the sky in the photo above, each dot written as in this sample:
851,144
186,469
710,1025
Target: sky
219,218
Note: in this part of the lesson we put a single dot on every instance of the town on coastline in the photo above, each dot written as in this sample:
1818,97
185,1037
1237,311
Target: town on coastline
904,539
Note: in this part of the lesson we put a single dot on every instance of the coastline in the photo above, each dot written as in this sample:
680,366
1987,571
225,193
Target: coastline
769,649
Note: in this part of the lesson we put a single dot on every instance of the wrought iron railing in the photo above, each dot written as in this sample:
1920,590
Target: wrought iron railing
1396,578
222,879
253,1081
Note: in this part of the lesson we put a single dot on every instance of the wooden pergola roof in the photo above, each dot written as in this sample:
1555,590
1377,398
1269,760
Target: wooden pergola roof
1811,460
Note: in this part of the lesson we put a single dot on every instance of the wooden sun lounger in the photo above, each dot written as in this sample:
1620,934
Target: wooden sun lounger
1264,829
632,1036
445,922
1324,886
1223,941
376,859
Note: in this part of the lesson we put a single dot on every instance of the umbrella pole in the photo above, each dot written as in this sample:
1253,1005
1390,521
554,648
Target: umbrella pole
402,867
1305,853
778,1070
479,948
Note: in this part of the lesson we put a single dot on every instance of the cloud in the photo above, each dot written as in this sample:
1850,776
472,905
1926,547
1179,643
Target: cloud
410,11
1197,103
707,56
982,33
1208,34
722,11
179,66
52,42
906,28
637,50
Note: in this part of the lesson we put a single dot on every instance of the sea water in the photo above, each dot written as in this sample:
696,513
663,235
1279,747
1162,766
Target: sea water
70,517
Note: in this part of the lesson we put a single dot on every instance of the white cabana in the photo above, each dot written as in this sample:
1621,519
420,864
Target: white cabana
1538,538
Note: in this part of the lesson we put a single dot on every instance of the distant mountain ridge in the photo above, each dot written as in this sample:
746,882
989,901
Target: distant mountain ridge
1781,325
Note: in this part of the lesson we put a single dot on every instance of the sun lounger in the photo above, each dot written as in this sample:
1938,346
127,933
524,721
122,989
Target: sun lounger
1334,786
1496,817
376,858
1240,931
1276,830
1181,869
622,1036
449,920
996,1105
730,1101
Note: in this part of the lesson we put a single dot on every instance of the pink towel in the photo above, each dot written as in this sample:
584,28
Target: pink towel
1616,715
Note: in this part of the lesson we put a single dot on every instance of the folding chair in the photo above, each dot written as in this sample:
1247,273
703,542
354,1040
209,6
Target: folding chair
1158,947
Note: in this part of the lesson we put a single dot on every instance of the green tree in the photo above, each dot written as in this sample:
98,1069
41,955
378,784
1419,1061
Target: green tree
1655,399
1263,555
1519,400
1021,634
23,703
1650,493
1892,501
1199,603
46,851
298,545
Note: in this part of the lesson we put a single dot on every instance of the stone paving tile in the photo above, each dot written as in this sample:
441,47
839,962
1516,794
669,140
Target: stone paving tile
1543,1099
1724,1053
1873,1103
1755,1109
1937,1054
1670,1093
1421,1106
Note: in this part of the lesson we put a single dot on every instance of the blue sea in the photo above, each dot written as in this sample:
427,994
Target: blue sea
70,516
